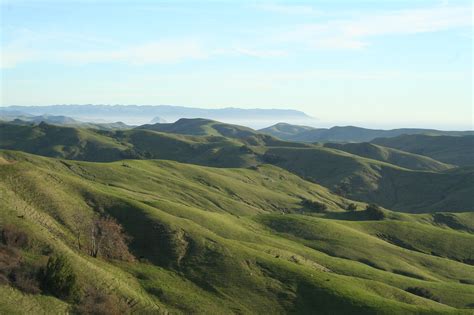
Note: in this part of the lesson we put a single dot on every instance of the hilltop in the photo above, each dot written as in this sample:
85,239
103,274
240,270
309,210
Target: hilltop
286,131
202,127
350,133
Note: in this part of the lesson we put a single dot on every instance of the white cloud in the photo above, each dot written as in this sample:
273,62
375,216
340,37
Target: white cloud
409,22
354,33
288,9
260,53
158,52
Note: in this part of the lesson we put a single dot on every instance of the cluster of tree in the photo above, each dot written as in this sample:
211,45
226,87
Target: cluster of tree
351,207
14,269
313,205
427,294
272,158
374,212
102,237
57,277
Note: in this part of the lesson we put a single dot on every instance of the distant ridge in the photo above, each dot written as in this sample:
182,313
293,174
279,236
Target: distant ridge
453,150
140,114
348,133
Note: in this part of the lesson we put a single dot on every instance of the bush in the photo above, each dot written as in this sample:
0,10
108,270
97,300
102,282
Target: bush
246,149
100,303
15,272
12,236
59,279
313,206
374,212
423,293
351,207
25,278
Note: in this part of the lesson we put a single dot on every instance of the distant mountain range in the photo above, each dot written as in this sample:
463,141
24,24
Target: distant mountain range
290,132
27,119
141,114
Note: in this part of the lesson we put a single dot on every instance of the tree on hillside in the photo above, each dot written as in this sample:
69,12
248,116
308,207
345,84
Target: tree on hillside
313,206
423,293
59,279
351,207
108,240
374,212
101,236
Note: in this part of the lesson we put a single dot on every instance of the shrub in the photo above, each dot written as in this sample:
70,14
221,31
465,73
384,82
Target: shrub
351,207
59,279
246,149
100,303
25,278
313,206
423,293
374,212
12,236
16,272
272,158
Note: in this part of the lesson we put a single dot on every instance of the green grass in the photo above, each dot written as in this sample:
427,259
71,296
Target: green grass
233,240
447,149
369,180
392,156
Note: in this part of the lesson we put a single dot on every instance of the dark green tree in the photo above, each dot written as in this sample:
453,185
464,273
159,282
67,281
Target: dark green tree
58,279
374,212
351,207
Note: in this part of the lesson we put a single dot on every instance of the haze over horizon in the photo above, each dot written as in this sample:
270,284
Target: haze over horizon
379,65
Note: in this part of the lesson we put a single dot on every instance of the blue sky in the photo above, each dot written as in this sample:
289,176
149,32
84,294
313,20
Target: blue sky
371,63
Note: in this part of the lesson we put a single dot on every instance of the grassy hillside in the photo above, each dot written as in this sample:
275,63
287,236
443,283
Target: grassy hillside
285,131
215,240
112,145
374,181
64,142
349,133
351,175
202,127
392,156
452,150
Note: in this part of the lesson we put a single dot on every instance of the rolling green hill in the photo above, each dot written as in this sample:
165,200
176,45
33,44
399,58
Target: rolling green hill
112,145
285,131
228,240
374,181
349,133
354,176
392,156
202,127
452,150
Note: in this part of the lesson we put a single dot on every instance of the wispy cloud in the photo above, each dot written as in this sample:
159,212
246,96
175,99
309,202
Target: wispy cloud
259,53
357,32
288,8
156,52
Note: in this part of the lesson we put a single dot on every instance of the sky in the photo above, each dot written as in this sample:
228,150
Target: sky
369,63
